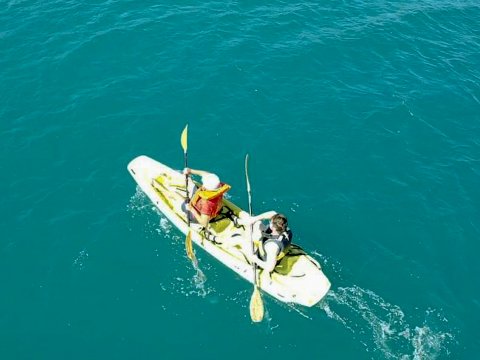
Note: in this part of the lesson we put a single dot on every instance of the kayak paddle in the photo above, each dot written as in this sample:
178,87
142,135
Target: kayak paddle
256,302
188,239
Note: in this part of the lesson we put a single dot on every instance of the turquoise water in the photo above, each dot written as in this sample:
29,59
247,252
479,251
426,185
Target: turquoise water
362,121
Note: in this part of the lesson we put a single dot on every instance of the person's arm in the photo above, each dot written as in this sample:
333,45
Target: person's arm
202,219
271,250
263,216
188,171
246,219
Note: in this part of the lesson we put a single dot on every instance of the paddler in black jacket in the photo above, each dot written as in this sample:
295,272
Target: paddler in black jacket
273,239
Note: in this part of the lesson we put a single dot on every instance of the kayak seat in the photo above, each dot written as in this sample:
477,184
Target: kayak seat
223,220
286,263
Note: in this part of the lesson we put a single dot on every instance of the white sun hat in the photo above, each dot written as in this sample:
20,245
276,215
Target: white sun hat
211,181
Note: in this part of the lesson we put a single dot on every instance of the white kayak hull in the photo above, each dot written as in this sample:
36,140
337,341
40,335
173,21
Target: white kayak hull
305,283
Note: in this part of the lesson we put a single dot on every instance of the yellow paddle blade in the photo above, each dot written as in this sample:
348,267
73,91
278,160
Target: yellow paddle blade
189,246
256,306
184,139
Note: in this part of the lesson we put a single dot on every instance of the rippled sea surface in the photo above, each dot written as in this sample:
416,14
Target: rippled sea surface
362,121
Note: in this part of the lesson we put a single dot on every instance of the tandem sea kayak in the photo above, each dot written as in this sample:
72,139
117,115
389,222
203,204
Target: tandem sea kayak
297,278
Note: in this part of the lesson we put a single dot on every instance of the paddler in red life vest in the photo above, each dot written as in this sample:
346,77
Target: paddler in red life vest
207,201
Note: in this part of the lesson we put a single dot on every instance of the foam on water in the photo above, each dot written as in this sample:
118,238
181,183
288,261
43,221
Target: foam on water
196,285
80,260
396,336
374,321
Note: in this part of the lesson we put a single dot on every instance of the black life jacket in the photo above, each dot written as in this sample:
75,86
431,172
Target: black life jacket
282,240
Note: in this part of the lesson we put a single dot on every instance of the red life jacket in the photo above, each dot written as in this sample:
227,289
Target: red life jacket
209,202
